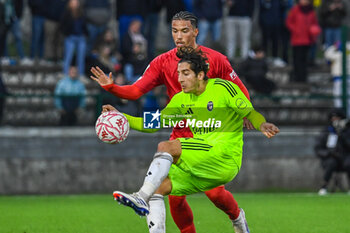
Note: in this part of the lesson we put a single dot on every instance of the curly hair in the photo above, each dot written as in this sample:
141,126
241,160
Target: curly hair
187,16
196,59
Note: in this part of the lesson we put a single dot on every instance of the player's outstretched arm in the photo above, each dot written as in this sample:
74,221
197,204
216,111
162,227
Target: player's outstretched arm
269,129
259,122
100,77
135,123
130,92
108,107
247,124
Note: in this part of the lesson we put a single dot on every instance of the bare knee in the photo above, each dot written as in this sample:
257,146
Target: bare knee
172,147
165,187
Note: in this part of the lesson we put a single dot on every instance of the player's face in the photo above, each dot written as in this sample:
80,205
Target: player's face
187,78
184,34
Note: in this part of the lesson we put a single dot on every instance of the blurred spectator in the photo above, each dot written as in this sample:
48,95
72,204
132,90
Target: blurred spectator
303,26
335,56
73,27
151,25
314,46
285,34
332,14
333,148
16,30
98,14
127,11
254,69
70,97
209,13
7,17
189,5
3,93
239,24
134,51
151,100
38,9
131,107
271,20
105,54
53,36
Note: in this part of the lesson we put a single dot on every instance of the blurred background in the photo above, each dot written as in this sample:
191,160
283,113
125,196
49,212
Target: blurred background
49,104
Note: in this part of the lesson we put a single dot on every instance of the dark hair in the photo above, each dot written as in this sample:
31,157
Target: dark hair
337,112
187,16
196,59
257,48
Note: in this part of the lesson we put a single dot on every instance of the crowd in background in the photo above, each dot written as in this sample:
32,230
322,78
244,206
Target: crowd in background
80,24
78,33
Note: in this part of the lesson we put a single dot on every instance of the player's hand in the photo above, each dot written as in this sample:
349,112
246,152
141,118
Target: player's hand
108,107
269,129
100,77
247,124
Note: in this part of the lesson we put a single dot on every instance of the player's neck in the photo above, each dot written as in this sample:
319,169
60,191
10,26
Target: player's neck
201,87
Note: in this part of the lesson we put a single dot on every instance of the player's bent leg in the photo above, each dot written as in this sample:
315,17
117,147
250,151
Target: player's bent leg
224,200
134,201
181,213
240,224
172,147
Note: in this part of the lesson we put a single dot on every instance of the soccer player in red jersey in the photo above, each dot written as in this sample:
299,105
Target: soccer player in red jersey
163,70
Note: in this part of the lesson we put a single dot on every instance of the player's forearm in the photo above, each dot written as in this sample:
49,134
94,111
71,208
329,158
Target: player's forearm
130,92
256,119
136,123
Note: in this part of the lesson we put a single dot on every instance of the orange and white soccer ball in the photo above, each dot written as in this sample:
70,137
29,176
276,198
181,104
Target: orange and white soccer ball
112,127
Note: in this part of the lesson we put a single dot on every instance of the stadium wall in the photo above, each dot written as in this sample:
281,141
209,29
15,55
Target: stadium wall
73,160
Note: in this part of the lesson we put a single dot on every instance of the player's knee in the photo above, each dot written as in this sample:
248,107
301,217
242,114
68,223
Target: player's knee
172,147
165,187
164,146
216,193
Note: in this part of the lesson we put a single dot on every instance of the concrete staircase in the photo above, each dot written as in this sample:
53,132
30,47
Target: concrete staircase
31,102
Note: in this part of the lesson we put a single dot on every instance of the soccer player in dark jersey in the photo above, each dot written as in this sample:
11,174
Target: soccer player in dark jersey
163,70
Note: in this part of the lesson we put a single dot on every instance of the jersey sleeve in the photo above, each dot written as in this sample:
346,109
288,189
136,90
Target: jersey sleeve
234,97
152,77
172,111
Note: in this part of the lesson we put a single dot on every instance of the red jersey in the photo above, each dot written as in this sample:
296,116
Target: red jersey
163,70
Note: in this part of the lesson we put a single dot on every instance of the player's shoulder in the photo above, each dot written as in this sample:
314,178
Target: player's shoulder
178,96
170,55
223,86
178,99
211,53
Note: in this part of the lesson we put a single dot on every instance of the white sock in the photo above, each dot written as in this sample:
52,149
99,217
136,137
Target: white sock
156,216
156,173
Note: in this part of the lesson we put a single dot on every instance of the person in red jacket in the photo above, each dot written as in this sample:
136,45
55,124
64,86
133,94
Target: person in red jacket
163,70
303,26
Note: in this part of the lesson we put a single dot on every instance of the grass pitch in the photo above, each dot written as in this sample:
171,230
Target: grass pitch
266,213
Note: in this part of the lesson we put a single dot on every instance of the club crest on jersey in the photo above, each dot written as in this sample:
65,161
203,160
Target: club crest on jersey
241,104
210,106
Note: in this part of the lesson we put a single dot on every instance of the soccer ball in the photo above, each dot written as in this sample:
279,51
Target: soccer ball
112,127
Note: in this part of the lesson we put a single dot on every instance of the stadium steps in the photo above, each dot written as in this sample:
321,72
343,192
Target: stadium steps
291,104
